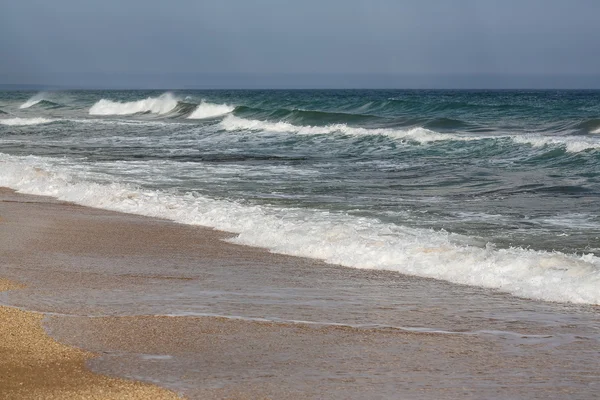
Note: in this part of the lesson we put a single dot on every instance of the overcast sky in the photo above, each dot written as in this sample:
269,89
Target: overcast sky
279,43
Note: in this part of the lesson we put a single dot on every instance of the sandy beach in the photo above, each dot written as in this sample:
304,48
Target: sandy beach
114,294
33,366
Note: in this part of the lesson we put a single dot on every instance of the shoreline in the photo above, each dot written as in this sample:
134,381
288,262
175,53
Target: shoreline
128,270
34,366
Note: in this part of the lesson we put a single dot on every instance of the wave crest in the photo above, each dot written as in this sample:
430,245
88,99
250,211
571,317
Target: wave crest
572,144
209,110
422,135
155,105
33,100
25,121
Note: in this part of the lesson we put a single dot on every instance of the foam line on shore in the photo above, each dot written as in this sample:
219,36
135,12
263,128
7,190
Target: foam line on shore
336,238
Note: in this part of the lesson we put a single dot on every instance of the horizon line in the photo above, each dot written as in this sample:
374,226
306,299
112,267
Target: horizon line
26,87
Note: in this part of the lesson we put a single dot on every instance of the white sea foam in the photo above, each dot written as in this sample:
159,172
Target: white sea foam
596,130
572,144
34,100
233,123
333,237
126,122
209,110
25,121
156,105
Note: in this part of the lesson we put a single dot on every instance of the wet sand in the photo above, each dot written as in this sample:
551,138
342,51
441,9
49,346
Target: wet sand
216,358
33,366
108,280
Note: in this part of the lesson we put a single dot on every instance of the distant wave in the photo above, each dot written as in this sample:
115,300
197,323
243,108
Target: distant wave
40,99
48,104
572,144
25,121
162,104
356,117
300,116
446,123
210,110
233,123
99,121
33,100
423,105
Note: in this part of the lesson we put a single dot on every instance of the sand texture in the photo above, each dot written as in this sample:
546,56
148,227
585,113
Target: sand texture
34,366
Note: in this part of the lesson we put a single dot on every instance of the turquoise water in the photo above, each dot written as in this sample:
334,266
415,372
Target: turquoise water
503,187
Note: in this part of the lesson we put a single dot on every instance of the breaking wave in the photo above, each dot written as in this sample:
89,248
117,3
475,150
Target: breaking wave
33,100
573,144
162,104
25,121
233,123
337,238
40,99
210,110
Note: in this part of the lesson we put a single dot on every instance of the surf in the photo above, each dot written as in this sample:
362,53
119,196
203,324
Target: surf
233,123
334,237
206,110
422,135
26,121
162,104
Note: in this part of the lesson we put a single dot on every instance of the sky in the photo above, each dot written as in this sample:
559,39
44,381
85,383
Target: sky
308,43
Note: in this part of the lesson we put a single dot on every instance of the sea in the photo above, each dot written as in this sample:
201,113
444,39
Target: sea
491,189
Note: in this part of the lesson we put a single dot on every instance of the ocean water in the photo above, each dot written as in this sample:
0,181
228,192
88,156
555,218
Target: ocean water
494,189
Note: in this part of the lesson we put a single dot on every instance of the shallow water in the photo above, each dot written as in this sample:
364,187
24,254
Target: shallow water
340,332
